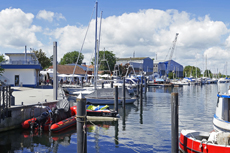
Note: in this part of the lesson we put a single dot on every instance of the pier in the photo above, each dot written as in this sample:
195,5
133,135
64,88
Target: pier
26,105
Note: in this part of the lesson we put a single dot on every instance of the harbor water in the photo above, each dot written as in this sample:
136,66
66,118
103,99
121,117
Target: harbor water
145,131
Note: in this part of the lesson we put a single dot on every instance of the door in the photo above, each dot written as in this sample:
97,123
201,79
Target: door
16,80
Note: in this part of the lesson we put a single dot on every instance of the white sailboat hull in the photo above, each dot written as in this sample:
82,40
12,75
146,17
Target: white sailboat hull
96,101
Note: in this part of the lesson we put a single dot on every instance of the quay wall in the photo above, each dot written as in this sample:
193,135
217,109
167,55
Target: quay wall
19,114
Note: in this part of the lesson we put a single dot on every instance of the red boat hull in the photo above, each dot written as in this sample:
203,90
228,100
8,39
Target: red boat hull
64,124
26,124
190,145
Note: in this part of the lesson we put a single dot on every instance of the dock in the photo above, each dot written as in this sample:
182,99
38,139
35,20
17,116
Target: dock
165,85
25,100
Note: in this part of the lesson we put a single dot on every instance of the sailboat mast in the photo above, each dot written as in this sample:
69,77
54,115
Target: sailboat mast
95,61
98,47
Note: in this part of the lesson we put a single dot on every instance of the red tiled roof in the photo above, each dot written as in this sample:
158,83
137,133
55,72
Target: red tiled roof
91,66
68,69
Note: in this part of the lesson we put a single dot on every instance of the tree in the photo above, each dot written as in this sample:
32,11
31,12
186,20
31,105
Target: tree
51,58
123,69
192,70
208,73
2,59
71,57
43,60
170,75
109,56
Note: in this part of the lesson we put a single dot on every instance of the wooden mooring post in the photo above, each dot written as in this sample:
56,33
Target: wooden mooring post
138,87
123,103
81,125
174,123
116,99
146,85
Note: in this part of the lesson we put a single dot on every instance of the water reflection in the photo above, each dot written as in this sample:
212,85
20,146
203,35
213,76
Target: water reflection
19,140
144,127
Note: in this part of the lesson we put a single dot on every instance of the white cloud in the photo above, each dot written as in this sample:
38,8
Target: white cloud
17,29
46,15
148,32
49,16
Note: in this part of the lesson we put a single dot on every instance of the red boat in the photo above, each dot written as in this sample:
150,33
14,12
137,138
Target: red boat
192,141
42,121
64,124
60,122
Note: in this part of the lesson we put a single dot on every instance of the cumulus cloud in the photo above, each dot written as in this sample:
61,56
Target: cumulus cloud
17,29
49,16
147,32
150,32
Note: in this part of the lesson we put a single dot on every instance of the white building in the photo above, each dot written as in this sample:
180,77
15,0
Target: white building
22,69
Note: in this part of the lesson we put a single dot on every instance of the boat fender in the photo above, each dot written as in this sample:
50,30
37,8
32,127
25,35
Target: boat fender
212,137
73,110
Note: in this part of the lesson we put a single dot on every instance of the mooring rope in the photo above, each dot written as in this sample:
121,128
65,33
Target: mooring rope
115,138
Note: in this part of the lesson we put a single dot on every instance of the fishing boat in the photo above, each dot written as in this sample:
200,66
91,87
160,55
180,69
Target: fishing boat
221,119
192,141
210,142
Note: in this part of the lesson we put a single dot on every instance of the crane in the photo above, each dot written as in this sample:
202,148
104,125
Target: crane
171,50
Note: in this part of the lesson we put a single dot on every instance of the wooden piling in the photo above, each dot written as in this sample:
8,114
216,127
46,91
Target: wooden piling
81,124
123,91
174,123
138,87
116,99
123,104
102,85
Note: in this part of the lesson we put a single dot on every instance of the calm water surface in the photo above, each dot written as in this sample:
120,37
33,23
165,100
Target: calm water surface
144,131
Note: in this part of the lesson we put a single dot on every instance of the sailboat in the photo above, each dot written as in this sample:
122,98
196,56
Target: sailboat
97,95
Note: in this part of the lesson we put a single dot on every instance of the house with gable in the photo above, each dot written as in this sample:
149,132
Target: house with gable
22,69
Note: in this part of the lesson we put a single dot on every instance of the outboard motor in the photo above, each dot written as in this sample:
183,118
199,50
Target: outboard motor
61,111
40,120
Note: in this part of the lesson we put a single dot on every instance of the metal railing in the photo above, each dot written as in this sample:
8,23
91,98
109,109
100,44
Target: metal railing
6,100
20,62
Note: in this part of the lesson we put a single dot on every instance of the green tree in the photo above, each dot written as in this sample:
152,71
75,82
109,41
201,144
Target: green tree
192,70
208,73
170,75
51,58
106,55
43,60
2,59
71,57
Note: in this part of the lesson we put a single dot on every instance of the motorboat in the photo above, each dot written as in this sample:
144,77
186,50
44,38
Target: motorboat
222,80
192,141
221,119
180,82
215,141
212,81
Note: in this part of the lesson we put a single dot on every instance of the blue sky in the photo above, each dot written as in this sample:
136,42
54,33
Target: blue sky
146,27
